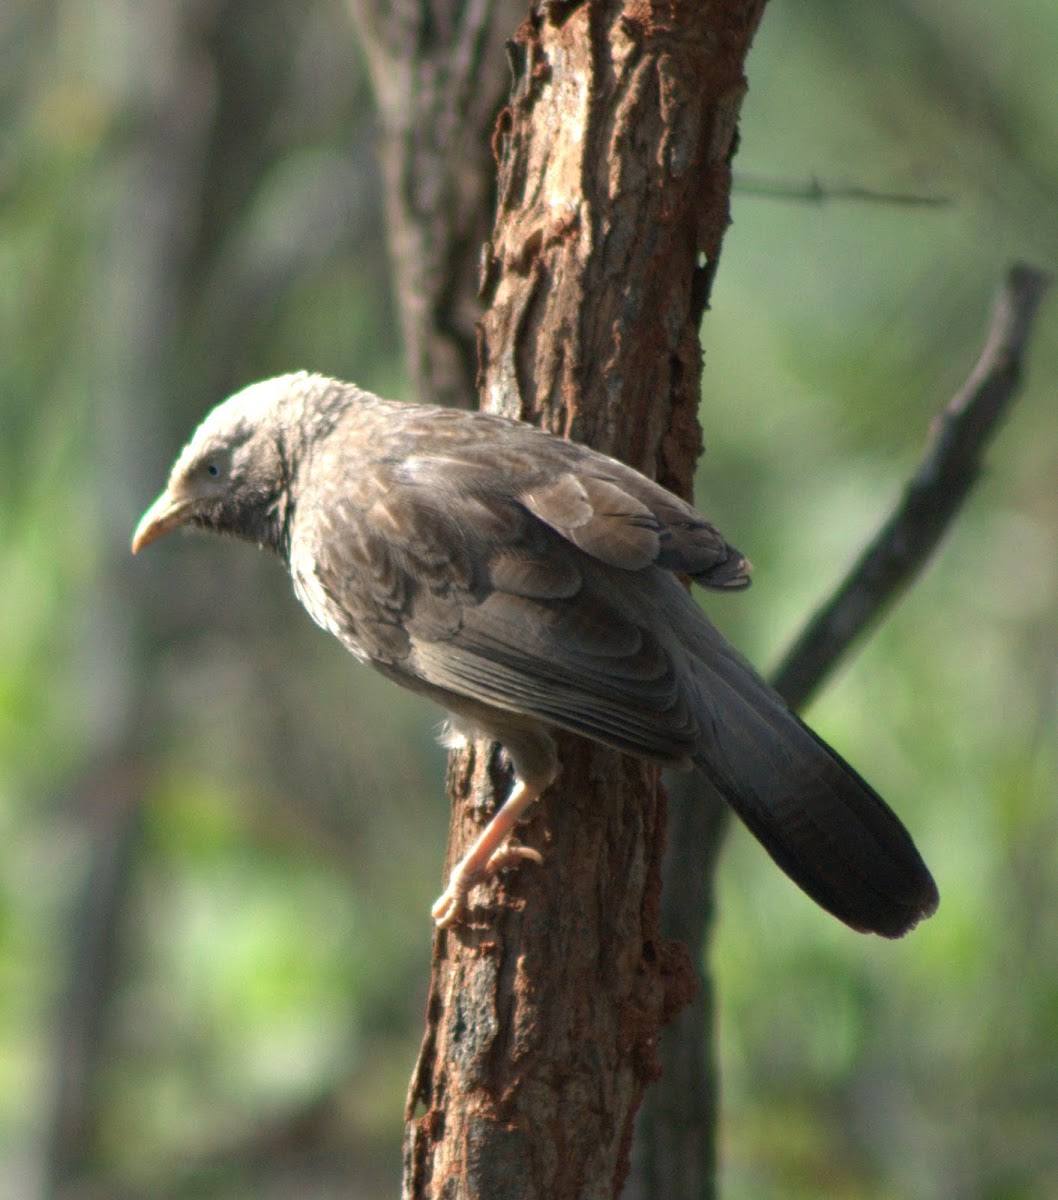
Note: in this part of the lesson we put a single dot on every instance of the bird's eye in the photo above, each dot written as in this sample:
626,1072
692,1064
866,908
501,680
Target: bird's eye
212,470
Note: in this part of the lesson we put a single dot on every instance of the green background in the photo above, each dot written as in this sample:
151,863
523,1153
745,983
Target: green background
189,200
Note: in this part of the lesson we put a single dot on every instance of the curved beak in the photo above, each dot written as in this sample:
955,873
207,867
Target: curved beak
164,514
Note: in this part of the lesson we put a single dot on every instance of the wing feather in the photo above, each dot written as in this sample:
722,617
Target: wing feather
514,569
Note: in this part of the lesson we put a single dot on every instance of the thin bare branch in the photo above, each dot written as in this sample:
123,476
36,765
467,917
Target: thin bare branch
932,498
813,191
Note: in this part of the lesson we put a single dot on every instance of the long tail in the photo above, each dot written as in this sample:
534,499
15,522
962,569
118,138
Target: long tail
821,823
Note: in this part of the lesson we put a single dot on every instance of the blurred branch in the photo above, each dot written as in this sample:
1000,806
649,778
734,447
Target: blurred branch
439,78
674,1153
112,810
932,498
815,192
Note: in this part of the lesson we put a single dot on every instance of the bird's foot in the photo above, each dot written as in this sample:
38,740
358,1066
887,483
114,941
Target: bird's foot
451,905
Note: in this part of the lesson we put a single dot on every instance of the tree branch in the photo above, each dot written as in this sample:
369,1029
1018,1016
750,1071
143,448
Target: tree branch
932,498
814,191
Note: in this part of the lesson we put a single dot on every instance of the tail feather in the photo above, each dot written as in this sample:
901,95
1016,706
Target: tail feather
819,820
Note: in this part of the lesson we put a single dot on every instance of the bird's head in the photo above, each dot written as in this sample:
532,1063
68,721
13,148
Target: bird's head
233,476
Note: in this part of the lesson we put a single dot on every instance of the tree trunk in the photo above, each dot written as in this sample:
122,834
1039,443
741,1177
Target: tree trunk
439,78
545,1008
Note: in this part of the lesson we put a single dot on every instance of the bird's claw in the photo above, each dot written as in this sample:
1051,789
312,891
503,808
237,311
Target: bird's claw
451,906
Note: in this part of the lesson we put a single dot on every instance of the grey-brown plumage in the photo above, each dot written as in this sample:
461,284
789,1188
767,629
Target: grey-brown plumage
529,583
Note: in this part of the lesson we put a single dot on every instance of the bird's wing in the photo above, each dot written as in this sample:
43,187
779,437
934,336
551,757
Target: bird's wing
528,603
607,509
577,662
625,520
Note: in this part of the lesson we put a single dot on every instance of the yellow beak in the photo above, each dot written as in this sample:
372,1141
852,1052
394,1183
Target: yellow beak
164,514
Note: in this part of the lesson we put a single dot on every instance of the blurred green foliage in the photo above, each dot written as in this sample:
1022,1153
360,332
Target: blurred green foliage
189,200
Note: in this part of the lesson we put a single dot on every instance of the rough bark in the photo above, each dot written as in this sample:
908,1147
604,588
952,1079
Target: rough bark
545,1008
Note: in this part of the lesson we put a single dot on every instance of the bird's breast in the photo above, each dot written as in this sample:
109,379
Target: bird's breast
311,592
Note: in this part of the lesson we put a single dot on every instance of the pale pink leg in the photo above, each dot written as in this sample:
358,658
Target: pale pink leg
488,854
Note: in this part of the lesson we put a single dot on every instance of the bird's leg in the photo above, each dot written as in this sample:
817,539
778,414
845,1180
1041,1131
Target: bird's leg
490,852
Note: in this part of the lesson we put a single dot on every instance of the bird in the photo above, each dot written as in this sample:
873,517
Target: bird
528,584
